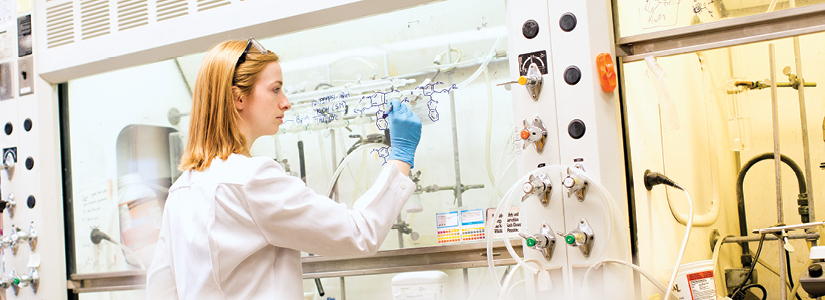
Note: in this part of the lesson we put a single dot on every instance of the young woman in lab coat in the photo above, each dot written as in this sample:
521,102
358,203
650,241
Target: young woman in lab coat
234,225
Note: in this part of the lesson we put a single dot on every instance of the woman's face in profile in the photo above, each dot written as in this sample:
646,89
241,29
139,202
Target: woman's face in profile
263,110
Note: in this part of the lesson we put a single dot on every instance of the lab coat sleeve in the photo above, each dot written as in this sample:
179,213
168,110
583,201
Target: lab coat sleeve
291,215
160,281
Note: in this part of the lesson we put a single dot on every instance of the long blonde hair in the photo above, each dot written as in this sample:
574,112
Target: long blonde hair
213,124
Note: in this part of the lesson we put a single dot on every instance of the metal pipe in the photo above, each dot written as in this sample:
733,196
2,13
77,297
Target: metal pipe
803,117
334,165
453,114
343,289
783,269
783,293
752,239
758,85
788,227
400,234
466,282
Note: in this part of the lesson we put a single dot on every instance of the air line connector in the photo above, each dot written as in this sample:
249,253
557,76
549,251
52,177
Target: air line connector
655,178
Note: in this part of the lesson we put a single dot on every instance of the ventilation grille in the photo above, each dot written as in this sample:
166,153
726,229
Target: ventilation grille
94,18
168,9
69,21
132,13
59,25
210,4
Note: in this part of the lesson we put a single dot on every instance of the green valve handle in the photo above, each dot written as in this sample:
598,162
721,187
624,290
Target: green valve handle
16,281
570,239
531,242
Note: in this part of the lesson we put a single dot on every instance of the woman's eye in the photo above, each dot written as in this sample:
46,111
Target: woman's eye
277,90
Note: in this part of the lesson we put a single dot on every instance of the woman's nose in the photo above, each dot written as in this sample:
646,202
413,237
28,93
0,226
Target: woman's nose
285,105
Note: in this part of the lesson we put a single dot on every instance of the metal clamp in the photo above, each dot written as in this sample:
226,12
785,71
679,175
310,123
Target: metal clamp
575,183
582,237
544,241
535,133
539,186
32,279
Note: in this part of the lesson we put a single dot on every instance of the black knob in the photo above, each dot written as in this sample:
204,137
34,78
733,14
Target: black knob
576,129
27,124
30,201
572,75
568,22
815,270
29,163
530,29
9,128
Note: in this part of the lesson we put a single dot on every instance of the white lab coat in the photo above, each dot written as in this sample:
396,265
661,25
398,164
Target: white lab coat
237,229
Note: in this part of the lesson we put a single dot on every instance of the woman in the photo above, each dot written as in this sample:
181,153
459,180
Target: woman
234,225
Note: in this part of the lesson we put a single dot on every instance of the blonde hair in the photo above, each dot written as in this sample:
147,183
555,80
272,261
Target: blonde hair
213,124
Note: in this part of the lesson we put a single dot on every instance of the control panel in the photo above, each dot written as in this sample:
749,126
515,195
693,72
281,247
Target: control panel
32,265
566,100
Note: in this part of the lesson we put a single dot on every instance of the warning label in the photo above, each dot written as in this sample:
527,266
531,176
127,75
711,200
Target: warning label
513,221
702,285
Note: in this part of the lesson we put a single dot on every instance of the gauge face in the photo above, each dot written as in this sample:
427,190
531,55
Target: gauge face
539,58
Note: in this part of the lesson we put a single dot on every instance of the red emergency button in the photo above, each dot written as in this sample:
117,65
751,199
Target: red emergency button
607,73
525,134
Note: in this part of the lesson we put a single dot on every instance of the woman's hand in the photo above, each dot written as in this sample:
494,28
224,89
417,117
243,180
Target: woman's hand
405,132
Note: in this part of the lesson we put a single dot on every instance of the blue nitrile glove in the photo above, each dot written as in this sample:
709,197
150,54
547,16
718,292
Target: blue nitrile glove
405,132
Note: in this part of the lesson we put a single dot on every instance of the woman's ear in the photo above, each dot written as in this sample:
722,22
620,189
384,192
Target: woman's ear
237,98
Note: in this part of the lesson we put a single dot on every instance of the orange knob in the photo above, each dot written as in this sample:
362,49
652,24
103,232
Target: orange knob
522,80
525,134
607,73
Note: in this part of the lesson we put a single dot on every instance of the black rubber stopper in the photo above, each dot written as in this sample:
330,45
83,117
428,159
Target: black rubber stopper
568,22
576,129
815,270
541,165
27,124
30,202
572,75
29,163
530,29
9,128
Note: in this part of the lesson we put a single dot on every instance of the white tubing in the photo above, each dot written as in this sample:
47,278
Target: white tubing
483,65
647,275
130,253
684,244
703,220
772,6
489,132
510,290
360,175
478,284
343,164
489,234
323,153
503,293
496,184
